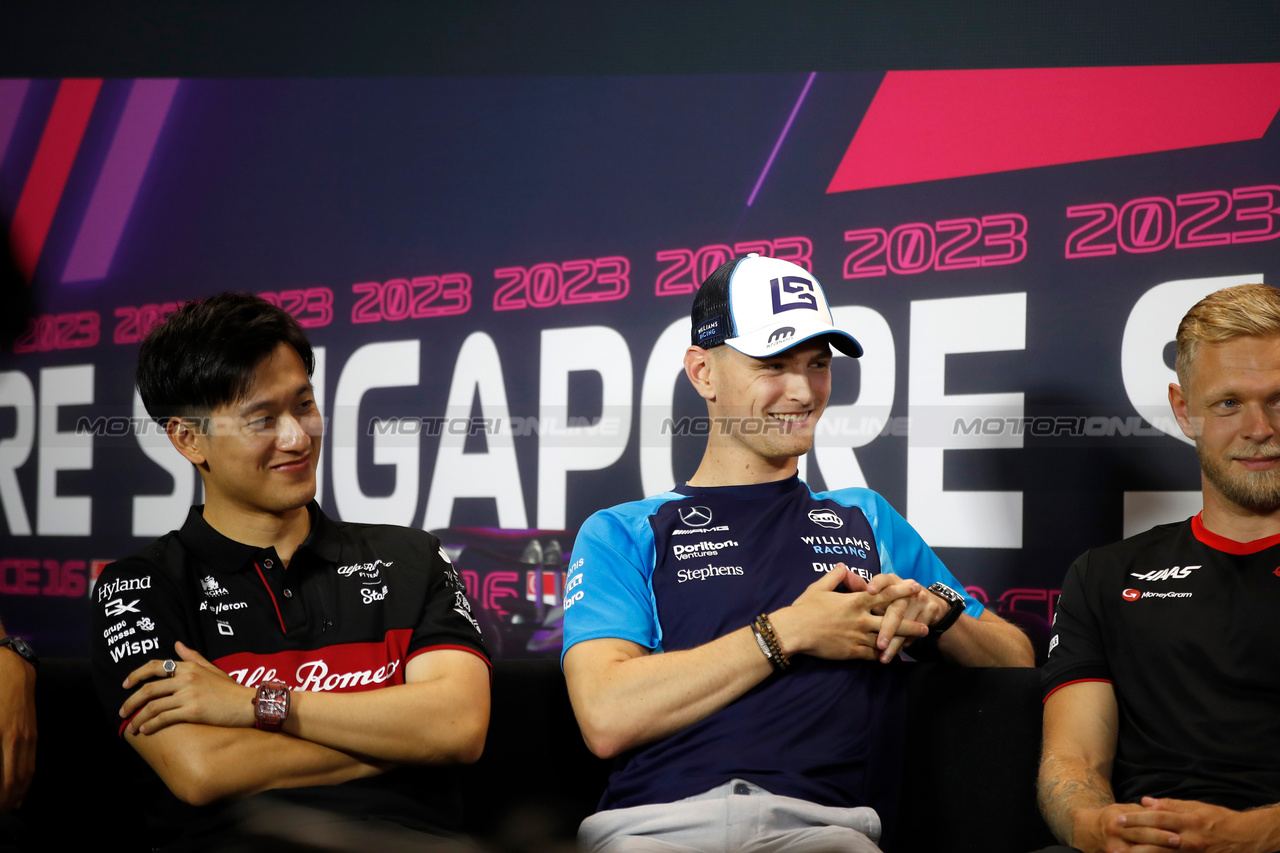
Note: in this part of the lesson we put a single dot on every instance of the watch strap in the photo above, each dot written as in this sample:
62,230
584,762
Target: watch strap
954,599
271,706
22,648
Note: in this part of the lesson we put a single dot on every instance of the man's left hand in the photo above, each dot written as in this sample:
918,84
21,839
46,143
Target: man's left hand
197,692
923,607
1203,828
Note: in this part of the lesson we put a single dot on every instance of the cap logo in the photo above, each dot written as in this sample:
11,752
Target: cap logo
708,330
781,334
791,292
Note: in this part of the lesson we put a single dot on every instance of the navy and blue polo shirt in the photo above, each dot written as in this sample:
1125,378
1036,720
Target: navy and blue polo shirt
683,568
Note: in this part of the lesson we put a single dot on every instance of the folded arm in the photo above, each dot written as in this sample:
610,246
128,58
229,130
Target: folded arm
17,727
623,696
439,716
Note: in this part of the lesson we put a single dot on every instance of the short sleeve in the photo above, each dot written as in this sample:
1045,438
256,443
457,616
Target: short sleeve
904,553
1075,650
136,617
608,591
447,621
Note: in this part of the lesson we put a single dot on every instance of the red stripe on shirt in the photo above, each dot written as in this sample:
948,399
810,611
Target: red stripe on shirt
1069,683
1229,546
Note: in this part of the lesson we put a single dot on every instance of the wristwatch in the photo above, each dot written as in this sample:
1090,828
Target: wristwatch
23,649
271,705
955,599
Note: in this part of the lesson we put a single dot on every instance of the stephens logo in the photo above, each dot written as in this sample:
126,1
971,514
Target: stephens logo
1131,595
709,571
695,516
826,518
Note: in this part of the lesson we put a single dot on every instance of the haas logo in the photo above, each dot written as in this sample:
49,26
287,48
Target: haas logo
1131,595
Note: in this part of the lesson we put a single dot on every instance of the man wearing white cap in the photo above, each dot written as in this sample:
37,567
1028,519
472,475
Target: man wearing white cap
723,638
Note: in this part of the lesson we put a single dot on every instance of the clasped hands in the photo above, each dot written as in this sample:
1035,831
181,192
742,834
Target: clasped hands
1169,824
873,620
197,692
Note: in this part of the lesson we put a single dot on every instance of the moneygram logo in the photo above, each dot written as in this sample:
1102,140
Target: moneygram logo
1131,595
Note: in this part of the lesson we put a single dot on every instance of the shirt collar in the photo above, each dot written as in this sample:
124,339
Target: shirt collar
224,554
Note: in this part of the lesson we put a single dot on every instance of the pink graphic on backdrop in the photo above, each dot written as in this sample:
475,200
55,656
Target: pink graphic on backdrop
118,183
12,94
933,125
50,169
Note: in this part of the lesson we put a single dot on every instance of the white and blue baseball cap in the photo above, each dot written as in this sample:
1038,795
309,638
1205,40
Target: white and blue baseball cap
764,306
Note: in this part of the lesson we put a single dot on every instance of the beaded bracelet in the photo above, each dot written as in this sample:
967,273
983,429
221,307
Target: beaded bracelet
762,628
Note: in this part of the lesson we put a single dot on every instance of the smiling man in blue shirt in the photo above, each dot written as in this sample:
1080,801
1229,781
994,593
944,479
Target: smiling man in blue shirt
725,638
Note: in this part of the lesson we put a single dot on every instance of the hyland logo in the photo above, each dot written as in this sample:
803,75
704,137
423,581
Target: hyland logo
695,516
224,629
1165,574
701,549
110,588
716,529
116,607
826,518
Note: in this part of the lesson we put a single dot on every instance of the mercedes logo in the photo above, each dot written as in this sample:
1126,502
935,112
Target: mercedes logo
695,516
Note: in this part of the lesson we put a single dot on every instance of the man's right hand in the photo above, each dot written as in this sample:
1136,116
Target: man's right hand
1117,829
844,625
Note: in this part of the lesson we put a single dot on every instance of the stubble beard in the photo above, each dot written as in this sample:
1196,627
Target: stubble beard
1254,491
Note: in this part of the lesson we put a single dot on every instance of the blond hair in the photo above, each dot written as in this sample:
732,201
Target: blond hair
1243,311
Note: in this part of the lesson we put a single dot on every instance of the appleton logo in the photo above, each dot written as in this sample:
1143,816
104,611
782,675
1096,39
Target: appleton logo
695,516
1131,595
826,518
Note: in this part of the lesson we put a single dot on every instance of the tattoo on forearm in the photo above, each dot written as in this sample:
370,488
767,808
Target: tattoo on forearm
1064,787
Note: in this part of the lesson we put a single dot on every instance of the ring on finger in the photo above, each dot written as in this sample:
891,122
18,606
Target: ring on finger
169,667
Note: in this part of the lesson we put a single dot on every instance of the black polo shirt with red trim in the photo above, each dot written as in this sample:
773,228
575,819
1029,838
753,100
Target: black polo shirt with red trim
356,603
1182,623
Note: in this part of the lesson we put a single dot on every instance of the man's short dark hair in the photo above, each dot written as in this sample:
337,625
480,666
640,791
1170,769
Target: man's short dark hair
204,355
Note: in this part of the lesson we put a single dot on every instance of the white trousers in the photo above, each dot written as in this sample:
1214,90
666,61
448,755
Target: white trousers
735,816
